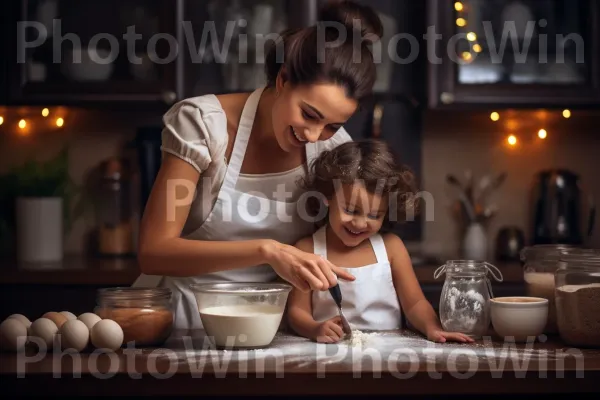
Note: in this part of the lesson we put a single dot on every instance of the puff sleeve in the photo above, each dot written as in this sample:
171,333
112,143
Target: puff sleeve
189,132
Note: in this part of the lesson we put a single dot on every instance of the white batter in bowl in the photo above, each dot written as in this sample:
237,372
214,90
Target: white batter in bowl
241,315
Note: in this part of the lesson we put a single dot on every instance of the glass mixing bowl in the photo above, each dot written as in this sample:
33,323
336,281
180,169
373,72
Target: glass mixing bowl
241,315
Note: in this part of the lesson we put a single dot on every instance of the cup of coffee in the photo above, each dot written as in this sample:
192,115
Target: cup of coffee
521,318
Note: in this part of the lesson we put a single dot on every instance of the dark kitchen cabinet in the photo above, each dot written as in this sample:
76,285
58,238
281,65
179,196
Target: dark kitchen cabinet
74,52
140,51
243,29
514,53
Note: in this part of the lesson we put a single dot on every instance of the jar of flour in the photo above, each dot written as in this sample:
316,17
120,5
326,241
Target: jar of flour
465,298
578,297
541,262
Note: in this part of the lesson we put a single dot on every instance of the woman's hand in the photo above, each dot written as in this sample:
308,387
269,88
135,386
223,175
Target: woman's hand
329,331
441,336
306,271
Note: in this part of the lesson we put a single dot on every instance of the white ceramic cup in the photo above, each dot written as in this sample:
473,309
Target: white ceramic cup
520,317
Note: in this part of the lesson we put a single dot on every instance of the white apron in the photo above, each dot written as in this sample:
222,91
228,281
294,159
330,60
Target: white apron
370,301
236,216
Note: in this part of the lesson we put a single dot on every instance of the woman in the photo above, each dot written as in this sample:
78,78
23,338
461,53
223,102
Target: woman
229,147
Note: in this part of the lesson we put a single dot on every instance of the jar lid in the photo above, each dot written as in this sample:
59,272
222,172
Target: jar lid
544,252
581,256
134,293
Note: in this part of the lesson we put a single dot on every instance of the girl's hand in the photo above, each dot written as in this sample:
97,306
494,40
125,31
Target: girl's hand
306,271
441,336
329,331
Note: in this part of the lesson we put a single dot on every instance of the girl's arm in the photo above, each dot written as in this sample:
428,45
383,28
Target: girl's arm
417,309
299,312
163,252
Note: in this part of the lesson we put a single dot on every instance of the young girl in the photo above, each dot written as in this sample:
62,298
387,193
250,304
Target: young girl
365,191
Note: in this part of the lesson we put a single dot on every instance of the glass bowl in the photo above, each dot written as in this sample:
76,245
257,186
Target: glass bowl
241,315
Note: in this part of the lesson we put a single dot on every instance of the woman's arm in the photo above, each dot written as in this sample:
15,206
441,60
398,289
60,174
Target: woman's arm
163,252
417,309
299,304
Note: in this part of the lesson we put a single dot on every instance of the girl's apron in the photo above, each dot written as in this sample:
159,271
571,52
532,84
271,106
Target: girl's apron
370,302
236,216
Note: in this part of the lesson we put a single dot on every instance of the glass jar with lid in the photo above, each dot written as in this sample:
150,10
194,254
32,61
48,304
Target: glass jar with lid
145,314
465,298
578,297
540,264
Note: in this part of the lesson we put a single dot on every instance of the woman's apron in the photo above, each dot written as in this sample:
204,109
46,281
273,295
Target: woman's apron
370,302
236,216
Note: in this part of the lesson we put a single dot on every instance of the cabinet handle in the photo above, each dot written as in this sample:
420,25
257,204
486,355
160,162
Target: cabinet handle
169,97
447,98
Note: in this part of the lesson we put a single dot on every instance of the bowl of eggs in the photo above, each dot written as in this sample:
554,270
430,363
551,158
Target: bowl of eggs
62,329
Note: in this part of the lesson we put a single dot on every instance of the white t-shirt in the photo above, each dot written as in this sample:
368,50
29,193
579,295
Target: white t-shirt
196,132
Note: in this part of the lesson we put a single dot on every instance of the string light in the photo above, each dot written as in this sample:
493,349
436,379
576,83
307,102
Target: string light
1,120
45,112
566,113
471,36
461,22
60,122
467,56
542,134
494,116
512,140
458,6
477,48
22,124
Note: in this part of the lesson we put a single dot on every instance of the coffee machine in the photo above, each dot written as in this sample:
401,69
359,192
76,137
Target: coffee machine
558,209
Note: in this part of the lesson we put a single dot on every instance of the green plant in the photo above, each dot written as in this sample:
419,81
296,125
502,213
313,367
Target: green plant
37,179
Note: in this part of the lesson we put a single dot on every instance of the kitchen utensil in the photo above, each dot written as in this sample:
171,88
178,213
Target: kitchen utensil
489,184
557,209
336,293
451,179
510,240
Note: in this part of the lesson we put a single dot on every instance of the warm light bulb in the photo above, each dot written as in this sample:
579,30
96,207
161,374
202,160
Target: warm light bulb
22,124
467,56
477,48
566,113
494,116
461,22
1,120
471,36
458,6
60,122
512,140
45,112
542,134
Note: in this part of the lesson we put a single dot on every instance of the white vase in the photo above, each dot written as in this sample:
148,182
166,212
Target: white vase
474,244
39,222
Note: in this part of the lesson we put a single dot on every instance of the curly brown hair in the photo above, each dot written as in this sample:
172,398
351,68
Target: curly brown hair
372,163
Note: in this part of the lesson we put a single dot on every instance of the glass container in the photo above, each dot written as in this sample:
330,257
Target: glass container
241,315
464,302
540,264
578,297
144,314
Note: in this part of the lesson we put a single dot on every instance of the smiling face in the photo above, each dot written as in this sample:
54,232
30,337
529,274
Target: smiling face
308,113
355,214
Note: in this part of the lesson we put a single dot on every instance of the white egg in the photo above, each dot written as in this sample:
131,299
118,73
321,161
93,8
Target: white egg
107,334
13,335
74,334
89,319
21,318
69,315
44,329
